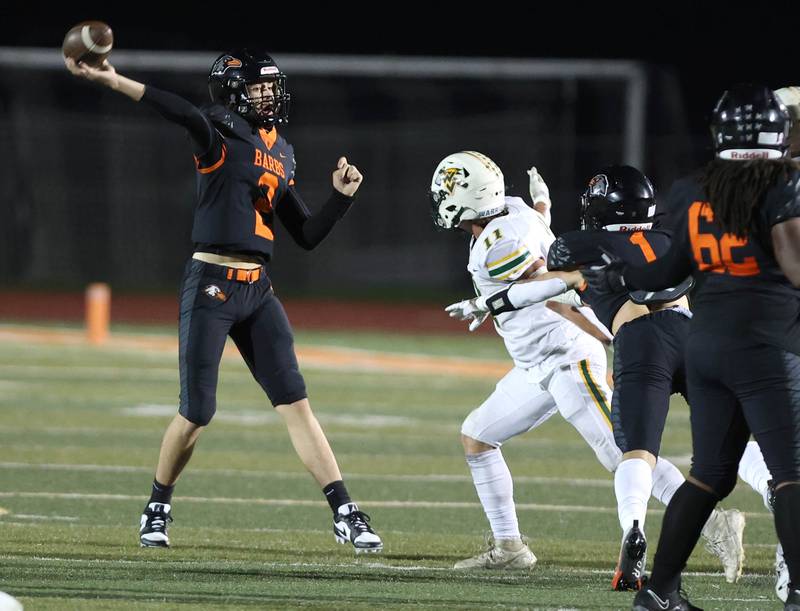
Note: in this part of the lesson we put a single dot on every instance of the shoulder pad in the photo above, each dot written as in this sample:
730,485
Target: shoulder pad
663,296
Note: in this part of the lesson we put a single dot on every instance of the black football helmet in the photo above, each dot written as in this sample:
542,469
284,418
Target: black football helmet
749,122
618,198
232,72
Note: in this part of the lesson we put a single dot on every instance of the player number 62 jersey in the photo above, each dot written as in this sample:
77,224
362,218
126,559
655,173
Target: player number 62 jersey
534,336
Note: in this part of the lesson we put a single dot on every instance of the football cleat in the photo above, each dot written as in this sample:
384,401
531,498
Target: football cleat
350,524
723,534
647,600
153,526
781,575
502,554
629,573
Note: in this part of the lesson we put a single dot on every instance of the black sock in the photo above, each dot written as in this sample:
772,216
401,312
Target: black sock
336,494
684,519
161,493
787,508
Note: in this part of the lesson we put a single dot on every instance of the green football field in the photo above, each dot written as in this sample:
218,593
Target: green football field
79,438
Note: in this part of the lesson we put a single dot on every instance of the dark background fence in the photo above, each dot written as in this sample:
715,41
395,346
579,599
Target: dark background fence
96,188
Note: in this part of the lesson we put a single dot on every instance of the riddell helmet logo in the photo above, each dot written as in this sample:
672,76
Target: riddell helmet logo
749,155
449,178
213,291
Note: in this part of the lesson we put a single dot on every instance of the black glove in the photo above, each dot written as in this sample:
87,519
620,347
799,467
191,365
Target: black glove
608,278
559,256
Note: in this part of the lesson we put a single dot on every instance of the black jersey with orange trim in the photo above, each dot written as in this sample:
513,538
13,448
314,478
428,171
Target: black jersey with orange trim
741,290
586,250
240,181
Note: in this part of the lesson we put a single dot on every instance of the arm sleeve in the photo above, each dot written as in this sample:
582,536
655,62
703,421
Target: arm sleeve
665,272
524,294
174,108
307,229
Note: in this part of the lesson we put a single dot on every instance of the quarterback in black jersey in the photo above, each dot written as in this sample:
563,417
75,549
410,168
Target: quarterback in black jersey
739,236
245,178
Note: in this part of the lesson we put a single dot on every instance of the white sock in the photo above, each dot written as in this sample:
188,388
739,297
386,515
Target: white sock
754,471
666,480
496,492
633,481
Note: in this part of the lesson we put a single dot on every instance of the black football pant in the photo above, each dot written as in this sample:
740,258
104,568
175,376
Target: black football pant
213,307
648,368
739,387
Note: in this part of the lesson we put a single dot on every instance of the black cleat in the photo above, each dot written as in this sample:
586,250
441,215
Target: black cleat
647,600
629,573
153,528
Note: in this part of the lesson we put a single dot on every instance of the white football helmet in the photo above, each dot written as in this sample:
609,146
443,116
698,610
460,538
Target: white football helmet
466,186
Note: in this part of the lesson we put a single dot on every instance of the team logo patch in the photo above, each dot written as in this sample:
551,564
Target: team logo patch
213,291
450,178
225,62
598,186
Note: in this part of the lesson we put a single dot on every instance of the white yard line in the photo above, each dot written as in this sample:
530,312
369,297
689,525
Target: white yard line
310,503
429,477
390,567
43,518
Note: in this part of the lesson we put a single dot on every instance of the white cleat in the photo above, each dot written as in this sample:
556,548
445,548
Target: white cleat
781,574
153,525
351,525
723,534
503,554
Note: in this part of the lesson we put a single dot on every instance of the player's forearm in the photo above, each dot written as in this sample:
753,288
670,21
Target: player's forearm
524,294
127,86
665,272
307,229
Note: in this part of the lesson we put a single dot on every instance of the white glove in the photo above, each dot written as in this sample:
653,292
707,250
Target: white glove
538,187
789,96
474,310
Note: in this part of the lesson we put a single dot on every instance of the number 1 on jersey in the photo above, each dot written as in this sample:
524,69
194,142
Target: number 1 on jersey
640,240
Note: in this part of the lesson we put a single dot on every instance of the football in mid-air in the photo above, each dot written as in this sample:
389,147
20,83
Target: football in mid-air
89,42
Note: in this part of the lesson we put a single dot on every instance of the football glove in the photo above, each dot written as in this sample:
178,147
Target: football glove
607,278
538,187
559,256
474,310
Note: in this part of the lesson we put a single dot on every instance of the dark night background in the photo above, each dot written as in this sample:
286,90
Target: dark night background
710,45
691,52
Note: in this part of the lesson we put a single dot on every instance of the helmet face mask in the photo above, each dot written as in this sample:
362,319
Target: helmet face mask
750,122
619,198
466,186
233,82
